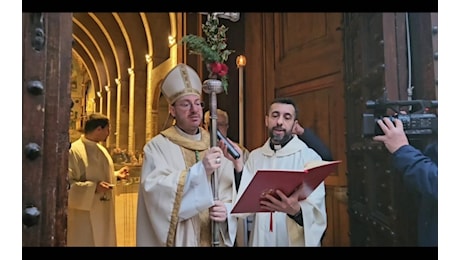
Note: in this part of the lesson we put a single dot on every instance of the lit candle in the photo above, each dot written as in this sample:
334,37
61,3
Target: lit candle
241,62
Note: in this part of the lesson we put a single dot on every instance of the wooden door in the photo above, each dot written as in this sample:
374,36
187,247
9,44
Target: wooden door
302,59
47,46
377,65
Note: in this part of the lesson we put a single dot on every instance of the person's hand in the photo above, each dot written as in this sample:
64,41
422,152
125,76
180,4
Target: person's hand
103,186
289,205
300,192
237,163
218,212
394,136
123,173
212,159
297,129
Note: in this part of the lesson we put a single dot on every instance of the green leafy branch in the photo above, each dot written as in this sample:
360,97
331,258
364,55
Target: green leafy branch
213,47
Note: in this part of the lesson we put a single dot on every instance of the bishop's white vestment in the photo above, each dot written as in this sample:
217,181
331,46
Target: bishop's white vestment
175,192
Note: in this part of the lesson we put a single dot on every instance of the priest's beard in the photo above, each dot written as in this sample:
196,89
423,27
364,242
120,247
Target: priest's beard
280,139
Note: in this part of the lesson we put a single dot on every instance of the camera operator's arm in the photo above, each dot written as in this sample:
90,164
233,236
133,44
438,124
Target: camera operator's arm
419,171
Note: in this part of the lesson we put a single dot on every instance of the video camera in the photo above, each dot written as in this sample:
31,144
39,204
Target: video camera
419,120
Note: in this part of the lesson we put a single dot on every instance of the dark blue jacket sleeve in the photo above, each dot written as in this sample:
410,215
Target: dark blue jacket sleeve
313,141
419,171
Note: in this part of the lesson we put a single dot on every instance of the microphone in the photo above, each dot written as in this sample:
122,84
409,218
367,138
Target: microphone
230,147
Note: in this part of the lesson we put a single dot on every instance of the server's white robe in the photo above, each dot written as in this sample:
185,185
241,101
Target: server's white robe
175,193
285,231
90,221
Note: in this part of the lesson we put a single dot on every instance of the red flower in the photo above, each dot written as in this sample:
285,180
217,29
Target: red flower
218,68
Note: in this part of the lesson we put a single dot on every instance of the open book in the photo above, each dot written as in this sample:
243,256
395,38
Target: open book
288,181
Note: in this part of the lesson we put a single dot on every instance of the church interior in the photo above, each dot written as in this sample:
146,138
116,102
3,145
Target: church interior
328,63
117,62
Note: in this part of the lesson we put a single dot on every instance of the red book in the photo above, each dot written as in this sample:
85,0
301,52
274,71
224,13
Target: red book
288,181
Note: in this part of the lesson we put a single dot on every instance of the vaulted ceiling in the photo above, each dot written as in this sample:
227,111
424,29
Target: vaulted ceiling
106,45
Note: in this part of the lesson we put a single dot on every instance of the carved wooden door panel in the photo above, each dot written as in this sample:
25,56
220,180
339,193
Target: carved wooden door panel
47,46
305,64
381,209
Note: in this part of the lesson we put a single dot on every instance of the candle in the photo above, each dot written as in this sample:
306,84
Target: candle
241,62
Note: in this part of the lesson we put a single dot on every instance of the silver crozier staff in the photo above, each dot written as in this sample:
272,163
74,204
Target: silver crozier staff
214,87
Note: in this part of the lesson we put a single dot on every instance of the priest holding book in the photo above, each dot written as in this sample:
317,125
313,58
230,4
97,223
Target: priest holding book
289,219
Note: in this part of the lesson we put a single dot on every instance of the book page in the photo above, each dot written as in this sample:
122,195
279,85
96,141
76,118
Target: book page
315,164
